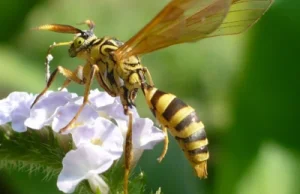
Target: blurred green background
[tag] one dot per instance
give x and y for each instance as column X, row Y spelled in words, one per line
column 245, row 88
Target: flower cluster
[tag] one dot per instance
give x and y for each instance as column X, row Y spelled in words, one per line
column 98, row 133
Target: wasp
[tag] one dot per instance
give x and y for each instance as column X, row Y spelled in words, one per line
column 117, row 68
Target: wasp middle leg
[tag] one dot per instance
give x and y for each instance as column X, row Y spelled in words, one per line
column 79, row 72
column 88, row 83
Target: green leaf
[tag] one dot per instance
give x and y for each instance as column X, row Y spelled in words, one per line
column 34, row 150
column 39, row 151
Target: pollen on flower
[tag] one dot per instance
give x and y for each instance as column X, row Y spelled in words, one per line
column 76, row 124
column 97, row 141
column 104, row 115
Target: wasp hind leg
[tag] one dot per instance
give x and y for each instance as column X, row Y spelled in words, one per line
column 166, row 143
column 66, row 73
column 128, row 149
column 148, row 76
column 164, row 129
column 127, row 98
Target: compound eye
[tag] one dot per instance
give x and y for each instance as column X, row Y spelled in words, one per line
column 78, row 42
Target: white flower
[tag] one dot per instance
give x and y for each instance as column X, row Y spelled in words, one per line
column 98, row 184
column 5, row 111
column 86, row 162
column 15, row 108
column 103, row 133
column 144, row 135
column 99, row 99
column 98, row 133
column 115, row 111
column 42, row 112
column 64, row 114
column 20, row 114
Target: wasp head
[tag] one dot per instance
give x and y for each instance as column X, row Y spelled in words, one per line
column 82, row 40
column 82, row 43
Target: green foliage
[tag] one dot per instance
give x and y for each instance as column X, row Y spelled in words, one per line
column 33, row 151
column 115, row 175
column 42, row 151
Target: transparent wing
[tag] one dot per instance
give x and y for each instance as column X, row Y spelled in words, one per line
column 191, row 20
column 241, row 16
column 180, row 21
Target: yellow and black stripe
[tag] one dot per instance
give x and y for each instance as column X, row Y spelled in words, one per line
column 183, row 123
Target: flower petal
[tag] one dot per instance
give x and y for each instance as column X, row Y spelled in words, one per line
column 5, row 111
column 116, row 110
column 41, row 113
column 82, row 163
column 97, row 183
column 145, row 135
column 103, row 133
column 19, row 115
column 64, row 114
column 111, row 137
column 17, row 97
column 10, row 103
column 100, row 99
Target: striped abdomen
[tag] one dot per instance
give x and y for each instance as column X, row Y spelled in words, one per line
column 183, row 124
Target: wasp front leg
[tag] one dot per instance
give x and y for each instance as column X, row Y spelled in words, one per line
column 66, row 73
column 49, row 57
